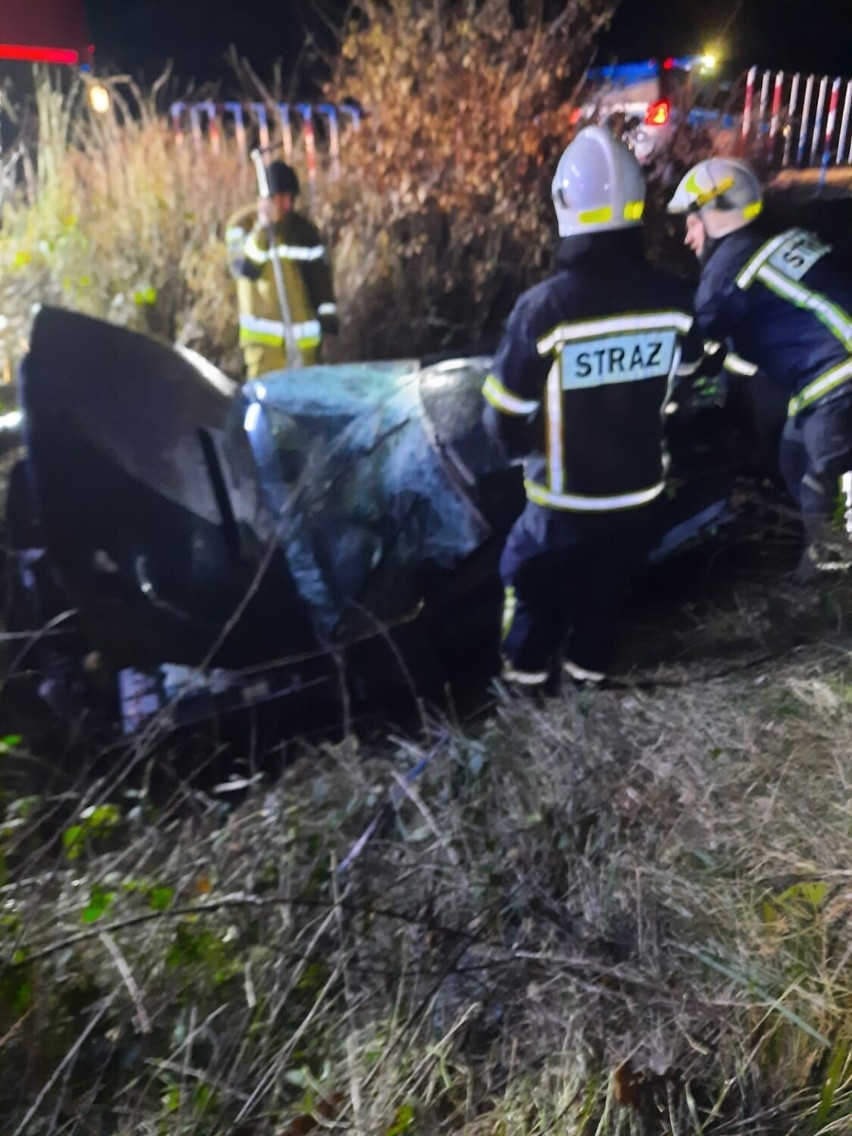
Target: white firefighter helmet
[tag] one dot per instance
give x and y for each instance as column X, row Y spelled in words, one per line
column 725, row 193
column 598, row 185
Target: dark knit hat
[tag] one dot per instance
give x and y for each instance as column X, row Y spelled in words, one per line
column 282, row 178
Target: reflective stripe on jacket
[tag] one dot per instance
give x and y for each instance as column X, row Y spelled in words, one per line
column 589, row 358
column 785, row 303
column 255, row 329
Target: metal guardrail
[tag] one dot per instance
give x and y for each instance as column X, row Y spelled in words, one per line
column 795, row 118
column 304, row 128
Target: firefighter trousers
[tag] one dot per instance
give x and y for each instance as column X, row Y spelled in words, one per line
column 565, row 577
column 261, row 358
column 815, row 452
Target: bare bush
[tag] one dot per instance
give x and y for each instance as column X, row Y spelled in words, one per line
column 443, row 214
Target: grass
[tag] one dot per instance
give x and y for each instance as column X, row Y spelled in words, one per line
column 626, row 912
column 622, row 914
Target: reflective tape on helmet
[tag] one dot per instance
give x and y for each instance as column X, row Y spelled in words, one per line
column 825, row 384
column 502, row 399
column 633, row 211
column 703, row 196
column 574, row 502
column 595, row 216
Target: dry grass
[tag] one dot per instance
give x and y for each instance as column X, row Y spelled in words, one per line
column 627, row 912
column 115, row 220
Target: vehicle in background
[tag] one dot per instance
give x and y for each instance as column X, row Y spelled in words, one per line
column 50, row 32
column 647, row 101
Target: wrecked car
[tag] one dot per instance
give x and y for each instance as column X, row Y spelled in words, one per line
column 179, row 545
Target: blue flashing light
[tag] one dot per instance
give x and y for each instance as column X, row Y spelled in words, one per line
column 626, row 72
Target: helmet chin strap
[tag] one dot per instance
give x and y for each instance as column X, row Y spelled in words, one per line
column 708, row 248
column 711, row 242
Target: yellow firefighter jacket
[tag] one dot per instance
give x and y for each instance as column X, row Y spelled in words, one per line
column 307, row 281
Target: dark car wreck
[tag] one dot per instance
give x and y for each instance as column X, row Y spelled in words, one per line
column 179, row 545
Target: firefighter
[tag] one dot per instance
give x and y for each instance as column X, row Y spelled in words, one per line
column 305, row 270
column 783, row 300
column 587, row 365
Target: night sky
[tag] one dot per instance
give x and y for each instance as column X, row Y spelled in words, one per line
column 139, row 35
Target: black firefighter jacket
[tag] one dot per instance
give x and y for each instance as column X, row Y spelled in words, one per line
column 785, row 302
column 588, row 361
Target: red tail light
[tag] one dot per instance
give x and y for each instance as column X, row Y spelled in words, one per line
column 657, row 113
column 38, row 54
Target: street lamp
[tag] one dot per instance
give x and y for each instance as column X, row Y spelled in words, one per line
column 99, row 98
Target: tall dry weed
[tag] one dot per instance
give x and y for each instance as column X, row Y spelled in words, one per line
column 116, row 219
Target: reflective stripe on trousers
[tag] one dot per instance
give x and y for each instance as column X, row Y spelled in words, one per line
column 574, row 503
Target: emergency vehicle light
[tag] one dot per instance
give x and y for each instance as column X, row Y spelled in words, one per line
column 32, row 54
column 657, row 113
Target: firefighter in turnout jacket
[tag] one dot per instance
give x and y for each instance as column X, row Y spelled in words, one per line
column 783, row 301
column 587, row 364
column 305, row 270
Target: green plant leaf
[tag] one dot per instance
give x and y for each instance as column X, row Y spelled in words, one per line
column 101, row 816
column 402, row 1121
column 832, row 1081
column 74, row 841
column 769, row 1001
column 99, row 902
column 159, row 898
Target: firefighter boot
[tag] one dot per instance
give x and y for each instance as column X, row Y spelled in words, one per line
column 827, row 550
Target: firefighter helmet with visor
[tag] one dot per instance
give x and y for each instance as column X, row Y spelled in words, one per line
column 725, row 192
column 598, row 185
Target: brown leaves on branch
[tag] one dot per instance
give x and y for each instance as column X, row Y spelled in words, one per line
column 467, row 108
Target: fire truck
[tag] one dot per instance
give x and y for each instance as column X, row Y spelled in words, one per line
column 51, row 31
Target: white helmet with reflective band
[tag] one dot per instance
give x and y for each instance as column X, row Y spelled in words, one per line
column 725, row 192
column 598, row 185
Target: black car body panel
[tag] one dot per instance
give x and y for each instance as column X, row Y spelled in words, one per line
column 206, row 534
